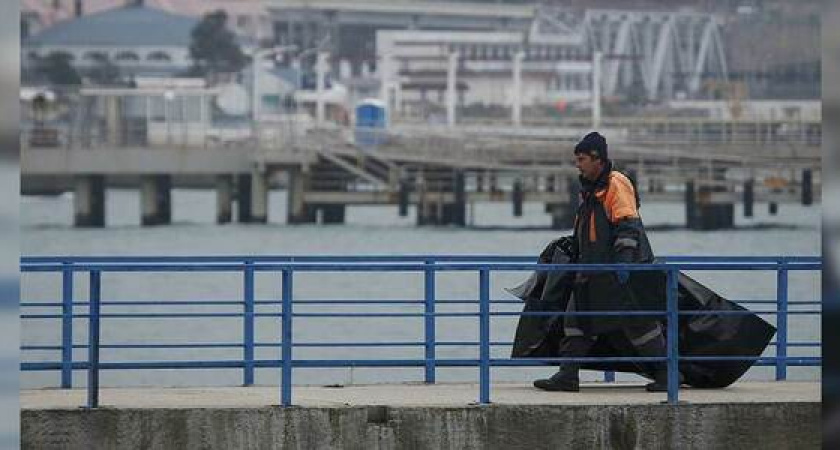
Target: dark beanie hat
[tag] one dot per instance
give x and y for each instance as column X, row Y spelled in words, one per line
column 593, row 143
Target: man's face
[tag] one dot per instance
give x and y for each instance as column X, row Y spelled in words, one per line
column 589, row 166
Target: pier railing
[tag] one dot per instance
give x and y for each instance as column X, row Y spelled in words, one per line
column 94, row 310
column 287, row 132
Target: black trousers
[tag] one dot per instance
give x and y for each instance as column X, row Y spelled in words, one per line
column 646, row 337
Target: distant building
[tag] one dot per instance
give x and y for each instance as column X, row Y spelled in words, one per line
column 248, row 18
column 655, row 54
column 645, row 56
column 140, row 40
column 485, row 64
column 348, row 28
column 707, row 42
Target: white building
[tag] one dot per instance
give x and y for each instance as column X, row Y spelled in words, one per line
column 415, row 63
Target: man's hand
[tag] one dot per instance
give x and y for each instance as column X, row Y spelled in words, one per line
column 623, row 276
column 565, row 244
column 624, row 256
column 548, row 252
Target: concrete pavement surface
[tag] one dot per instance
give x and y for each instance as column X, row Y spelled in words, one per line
column 442, row 394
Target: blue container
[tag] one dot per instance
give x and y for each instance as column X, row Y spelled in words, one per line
column 370, row 123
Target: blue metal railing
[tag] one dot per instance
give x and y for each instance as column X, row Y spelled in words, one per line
column 428, row 265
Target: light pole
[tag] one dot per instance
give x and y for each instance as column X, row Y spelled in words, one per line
column 320, row 85
column 516, row 91
column 321, row 68
column 168, row 97
column 451, row 88
column 596, row 89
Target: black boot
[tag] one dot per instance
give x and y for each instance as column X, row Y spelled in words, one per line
column 653, row 345
column 566, row 379
column 660, row 381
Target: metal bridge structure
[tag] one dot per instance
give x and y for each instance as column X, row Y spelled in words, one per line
column 665, row 52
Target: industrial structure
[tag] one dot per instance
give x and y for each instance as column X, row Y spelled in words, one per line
column 664, row 53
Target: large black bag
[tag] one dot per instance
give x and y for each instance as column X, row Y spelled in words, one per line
column 699, row 335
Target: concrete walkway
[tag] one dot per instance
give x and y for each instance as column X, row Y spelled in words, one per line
column 443, row 394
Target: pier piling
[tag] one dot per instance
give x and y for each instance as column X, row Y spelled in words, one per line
column 298, row 211
column 224, row 198
column 807, row 187
column 259, row 197
column 156, row 200
column 749, row 197
column 518, row 197
column 243, row 198
column 89, row 201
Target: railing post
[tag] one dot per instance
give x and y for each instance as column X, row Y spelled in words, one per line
column 286, row 381
column 429, row 323
column 484, row 336
column 781, row 321
column 673, row 331
column 67, row 327
column 93, row 341
column 248, row 325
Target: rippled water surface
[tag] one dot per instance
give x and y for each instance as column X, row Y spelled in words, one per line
column 47, row 230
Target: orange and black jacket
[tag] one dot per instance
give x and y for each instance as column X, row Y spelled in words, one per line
column 608, row 228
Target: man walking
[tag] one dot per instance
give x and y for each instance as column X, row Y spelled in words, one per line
column 608, row 230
